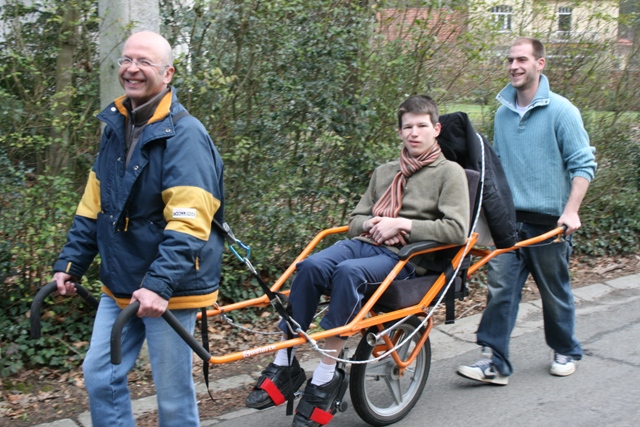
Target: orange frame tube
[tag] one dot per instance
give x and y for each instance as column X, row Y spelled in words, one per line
column 360, row 322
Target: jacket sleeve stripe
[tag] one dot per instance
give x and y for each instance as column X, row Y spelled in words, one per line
column 190, row 210
column 89, row 205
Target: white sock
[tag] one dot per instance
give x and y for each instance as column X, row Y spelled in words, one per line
column 282, row 358
column 323, row 374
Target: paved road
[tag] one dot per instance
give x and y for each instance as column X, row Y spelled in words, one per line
column 604, row 391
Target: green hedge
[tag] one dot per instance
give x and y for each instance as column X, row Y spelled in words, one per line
column 300, row 98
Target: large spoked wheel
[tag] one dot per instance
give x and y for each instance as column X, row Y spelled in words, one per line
column 379, row 393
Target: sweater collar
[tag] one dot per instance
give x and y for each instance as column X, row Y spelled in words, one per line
column 162, row 104
column 507, row 96
column 141, row 115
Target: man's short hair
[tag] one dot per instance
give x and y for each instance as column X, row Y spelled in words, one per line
column 419, row 104
column 538, row 47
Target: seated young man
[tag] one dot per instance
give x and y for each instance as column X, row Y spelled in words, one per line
column 421, row 196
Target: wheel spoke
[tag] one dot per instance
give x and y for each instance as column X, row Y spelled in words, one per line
column 394, row 387
column 403, row 351
column 380, row 394
column 379, row 369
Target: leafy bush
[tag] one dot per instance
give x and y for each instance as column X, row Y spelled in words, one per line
column 299, row 97
column 611, row 220
column 66, row 329
column 35, row 212
column 611, row 226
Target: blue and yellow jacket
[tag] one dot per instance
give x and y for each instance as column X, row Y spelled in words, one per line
column 151, row 221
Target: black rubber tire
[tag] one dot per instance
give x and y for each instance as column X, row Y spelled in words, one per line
column 378, row 395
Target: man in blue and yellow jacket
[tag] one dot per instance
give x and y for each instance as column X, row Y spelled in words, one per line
column 147, row 210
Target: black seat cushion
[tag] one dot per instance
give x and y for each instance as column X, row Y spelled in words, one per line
column 406, row 293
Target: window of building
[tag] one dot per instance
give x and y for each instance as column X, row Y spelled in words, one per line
column 501, row 17
column 425, row 3
column 564, row 19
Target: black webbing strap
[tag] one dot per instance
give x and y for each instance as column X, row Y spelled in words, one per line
column 204, row 331
column 275, row 298
column 178, row 116
column 291, row 395
column 449, row 299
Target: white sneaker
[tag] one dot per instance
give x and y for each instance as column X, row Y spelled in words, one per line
column 562, row 365
column 483, row 370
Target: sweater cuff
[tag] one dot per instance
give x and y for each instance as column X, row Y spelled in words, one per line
column 356, row 226
column 585, row 175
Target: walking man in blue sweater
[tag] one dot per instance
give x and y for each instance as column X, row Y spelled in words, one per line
column 545, row 152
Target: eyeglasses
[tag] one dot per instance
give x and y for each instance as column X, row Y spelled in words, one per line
column 141, row 63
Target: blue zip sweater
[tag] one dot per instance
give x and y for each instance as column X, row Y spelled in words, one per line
column 150, row 220
column 542, row 151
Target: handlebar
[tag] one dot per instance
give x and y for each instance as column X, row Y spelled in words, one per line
column 129, row 312
column 47, row 289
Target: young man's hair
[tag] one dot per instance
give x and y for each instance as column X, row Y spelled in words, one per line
column 419, row 104
column 538, row 47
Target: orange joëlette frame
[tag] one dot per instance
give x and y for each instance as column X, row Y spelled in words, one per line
column 360, row 321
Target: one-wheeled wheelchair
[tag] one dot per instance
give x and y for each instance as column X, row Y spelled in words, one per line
column 391, row 364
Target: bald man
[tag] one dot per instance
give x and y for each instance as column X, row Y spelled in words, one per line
column 147, row 210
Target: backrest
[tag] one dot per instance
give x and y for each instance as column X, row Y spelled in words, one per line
column 473, row 180
column 461, row 143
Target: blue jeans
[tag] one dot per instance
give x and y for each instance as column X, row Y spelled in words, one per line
column 171, row 364
column 341, row 271
column 548, row 263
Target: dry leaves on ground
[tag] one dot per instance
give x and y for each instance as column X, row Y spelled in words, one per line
column 37, row 396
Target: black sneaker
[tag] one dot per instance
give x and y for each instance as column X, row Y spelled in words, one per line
column 315, row 406
column 275, row 384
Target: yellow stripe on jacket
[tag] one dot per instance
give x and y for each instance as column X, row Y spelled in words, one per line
column 89, row 205
column 175, row 303
column 189, row 210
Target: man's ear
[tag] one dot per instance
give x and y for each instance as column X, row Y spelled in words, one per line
column 437, row 128
column 541, row 63
column 168, row 75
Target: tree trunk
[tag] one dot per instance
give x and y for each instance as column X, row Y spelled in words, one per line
column 58, row 152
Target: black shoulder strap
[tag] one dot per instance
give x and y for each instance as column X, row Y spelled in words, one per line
column 178, row 116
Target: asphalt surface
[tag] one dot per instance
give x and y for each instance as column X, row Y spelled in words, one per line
column 604, row 391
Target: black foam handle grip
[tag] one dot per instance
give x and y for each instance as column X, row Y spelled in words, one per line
column 129, row 312
column 45, row 291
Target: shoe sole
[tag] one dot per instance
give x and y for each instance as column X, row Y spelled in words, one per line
column 473, row 375
column 268, row 403
column 563, row 373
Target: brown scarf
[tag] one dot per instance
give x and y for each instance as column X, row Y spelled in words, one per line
column 390, row 203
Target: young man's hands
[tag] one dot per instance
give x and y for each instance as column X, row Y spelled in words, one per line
column 388, row 231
